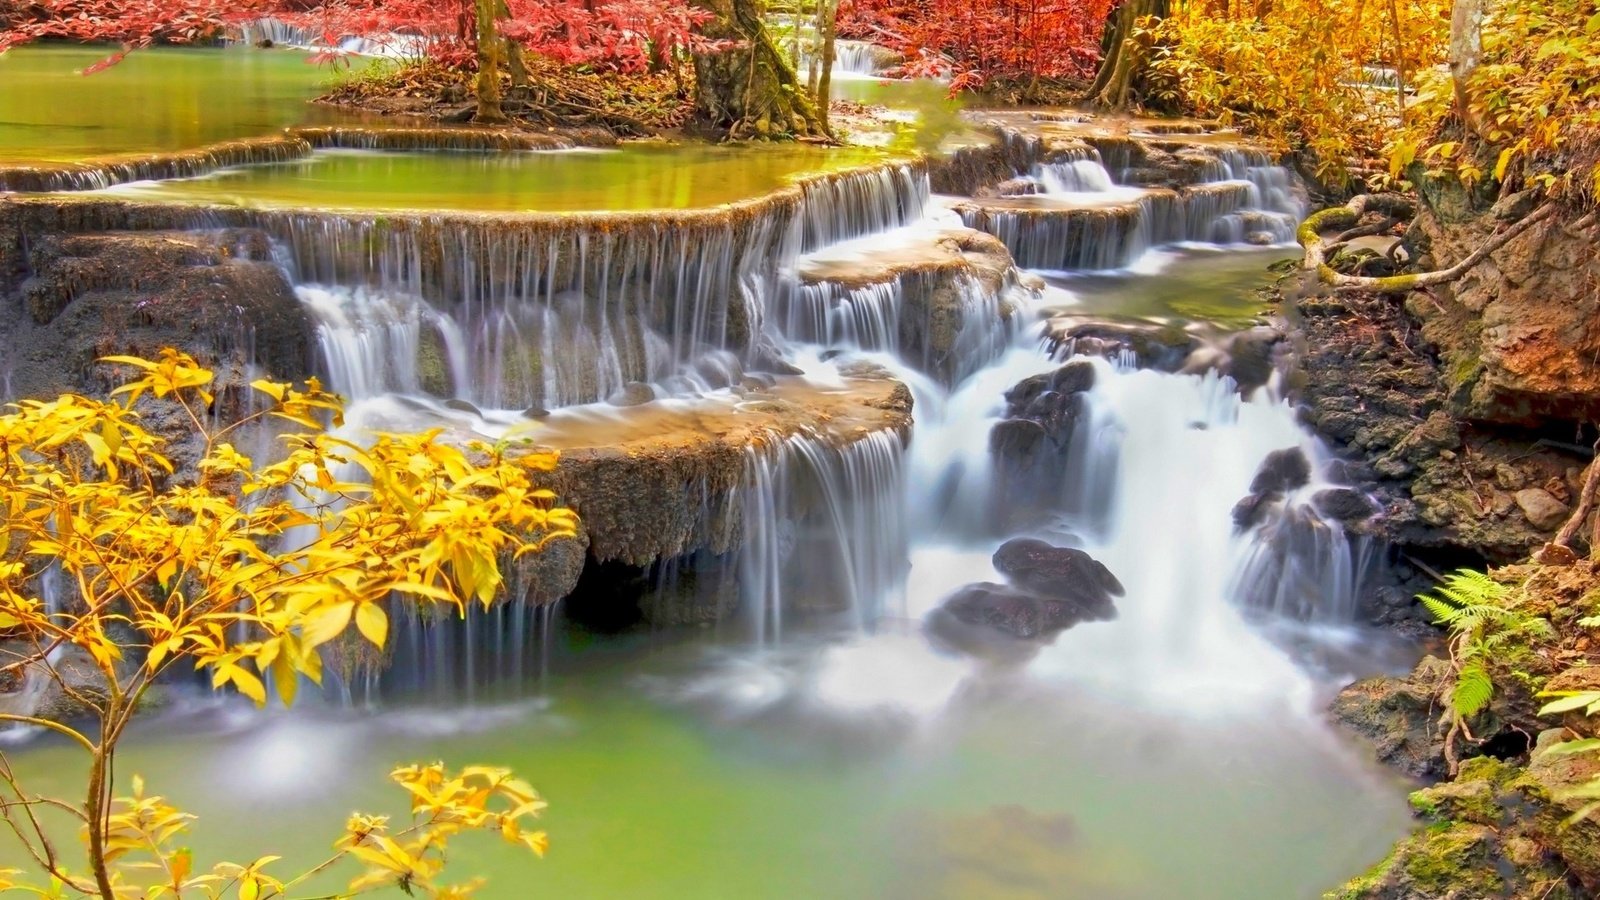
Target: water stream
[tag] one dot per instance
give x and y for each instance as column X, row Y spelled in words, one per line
column 821, row 742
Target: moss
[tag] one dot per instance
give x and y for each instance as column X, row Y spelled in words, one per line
column 1454, row 858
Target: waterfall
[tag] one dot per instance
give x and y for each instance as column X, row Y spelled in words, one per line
column 558, row 313
column 824, row 530
column 1085, row 220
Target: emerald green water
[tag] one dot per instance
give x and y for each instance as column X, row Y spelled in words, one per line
column 681, row 770
column 1189, row 285
column 159, row 99
column 635, row 177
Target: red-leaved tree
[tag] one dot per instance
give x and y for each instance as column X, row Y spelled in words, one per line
column 981, row 42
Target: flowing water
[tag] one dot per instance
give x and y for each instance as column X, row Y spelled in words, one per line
column 820, row 742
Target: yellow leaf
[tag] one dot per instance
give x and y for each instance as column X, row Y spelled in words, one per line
column 373, row 623
column 249, row 685
column 325, row 624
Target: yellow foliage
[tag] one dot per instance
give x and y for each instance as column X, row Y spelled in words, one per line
column 1299, row 73
column 1535, row 97
column 245, row 572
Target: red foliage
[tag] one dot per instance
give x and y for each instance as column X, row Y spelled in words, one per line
column 611, row 35
column 979, row 41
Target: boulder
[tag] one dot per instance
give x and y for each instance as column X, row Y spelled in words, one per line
column 1282, row 471
column 1343, row 504
column 1016, row 612
column 1400, row 717
column 1060, row 572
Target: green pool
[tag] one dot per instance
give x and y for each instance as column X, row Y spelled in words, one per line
column 155, row 100
column 635, row 177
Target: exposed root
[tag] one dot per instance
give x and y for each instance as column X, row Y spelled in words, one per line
column 1347, row 217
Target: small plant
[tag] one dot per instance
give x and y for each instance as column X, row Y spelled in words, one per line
column 1475, row 609
column 1571, row 701
column 1482, row 616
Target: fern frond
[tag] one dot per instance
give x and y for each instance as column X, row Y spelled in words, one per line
column 1473, row 690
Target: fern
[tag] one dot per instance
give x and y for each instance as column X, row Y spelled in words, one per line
column 1481, row 615
column 1473, row 691
column 1467, row 600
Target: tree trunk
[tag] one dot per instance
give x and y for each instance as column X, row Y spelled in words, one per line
column 1466, row 50
column 830, row 27
column 1125, row 59
column 489, row 50
column 750, row 91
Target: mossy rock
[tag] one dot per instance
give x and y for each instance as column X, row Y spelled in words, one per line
column 1449, row 861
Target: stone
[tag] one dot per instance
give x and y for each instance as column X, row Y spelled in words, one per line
column 1253, row 509
column 1018, row 187
column 1064, row 572
column 1346, row 505
column 462, row 406
column 1543, row 510
column 634, row 393
column 1015, row 612
column 1283, row 471
column 1399, row 716
column 1072, row 378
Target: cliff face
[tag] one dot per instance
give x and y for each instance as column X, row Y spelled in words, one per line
column 1519, row 335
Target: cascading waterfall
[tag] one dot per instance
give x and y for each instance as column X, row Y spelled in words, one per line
column 552, row 316
column 1085, row 220
column 824, row 529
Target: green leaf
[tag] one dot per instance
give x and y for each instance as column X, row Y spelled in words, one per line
column 1569, row 702
column 1474, row 689
column 1569, row 748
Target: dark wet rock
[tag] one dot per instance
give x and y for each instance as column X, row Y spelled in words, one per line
column 1018, row 613
column 1253, row 509
column 1282, row 471
column 1165, row 348
column 1346, row 505
column 1072, row 378
column 1017, row 440
column 536, row 412
column 462, row 406
column 1064, row 572
column 1261, row 238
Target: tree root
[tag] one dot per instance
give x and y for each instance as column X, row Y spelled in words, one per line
column 1347, row 217
column 1552, row 553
